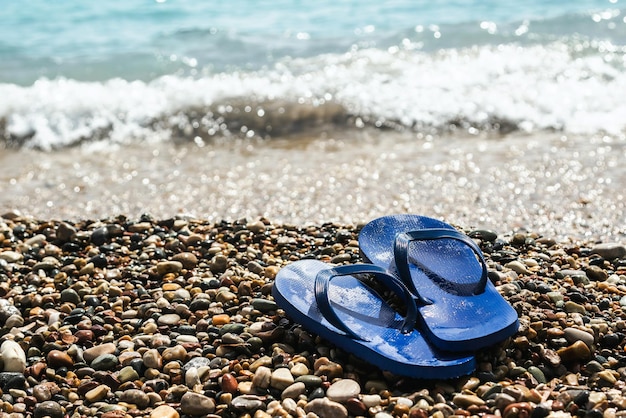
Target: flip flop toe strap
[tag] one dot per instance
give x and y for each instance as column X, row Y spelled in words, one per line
column 401, row 257
column 322, row 285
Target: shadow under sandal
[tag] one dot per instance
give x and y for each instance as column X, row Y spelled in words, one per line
column 459, row 308
column 336, row 304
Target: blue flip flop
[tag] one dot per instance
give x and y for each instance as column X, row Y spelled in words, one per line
column 337, row 305
column 459, row 308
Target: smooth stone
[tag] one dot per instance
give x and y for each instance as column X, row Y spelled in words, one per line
column 555, row 297
column 10, row 380
column 290, row 406
column 11, row 256
column 65, row 232
column 573, row 334
column 136, row 397
column 299, row 369
column 127, row 374
column 104, row 362
column 97, row 394
column 262, row 377
column 310, row 381
column 247, row 403
column 14, row 321
column 43, row 392
column 225, row 296
column 371, row 400
column 294, row 390
column 465, row 400
column 165, row 267
column 90, row 354
column 193, row 403
column 196, row 362
column 13, row 357
column 484, row 235
column 168, row 319
column 342, row 390
column 152, row 359
column 50, row 409
column 517, row 267
column 281, row 378
column 192, row 377
column 324, row 407
column 596, row 273
column 264, row 305
column 70, row 295
column 577, row 351
column 609, row 251
column 164, row 411
column 218, row 264
column 356, row 407
column 177, row 352
column 188, row 260
column 607, row 376
column 58, row 358
column 229, row 383
column 537, row 374
column 573, row 307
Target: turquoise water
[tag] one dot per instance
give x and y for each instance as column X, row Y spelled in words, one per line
column 75, row 71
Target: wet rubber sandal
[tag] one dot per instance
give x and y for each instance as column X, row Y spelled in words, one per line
column 338, row 305
column 459, row 308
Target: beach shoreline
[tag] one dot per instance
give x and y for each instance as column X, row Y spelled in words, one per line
column 568, row 187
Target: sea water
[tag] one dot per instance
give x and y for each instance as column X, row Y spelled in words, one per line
column 76, row 72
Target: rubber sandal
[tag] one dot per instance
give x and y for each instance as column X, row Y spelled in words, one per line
column 459, row 308
column 337, row 305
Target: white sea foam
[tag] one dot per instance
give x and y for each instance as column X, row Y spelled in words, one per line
column 530, row 88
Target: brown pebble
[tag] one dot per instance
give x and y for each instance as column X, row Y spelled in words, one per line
column 58, row 358
column 577, row 351
column 91, row 353
column 164, row 411
column 229, row 383
column 188, row 260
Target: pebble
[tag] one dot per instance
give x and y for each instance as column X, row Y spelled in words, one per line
column 262, row 377
column 13, row 357
column 136, row 397
column 609, row 251
column 165, row 267
column 90, row 354
column 573, row 334
column 281, row 378
column 342, row 390
column 324, row 407
column 49, row 409
column 294, row 390
column 58, row 358
column 247, row 403
column 196, row 404
column 104, row 362
column 164, row 411
column 577, row 351
column 97, row 394
column 186, row 259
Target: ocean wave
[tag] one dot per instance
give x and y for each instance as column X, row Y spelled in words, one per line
column 569, row 86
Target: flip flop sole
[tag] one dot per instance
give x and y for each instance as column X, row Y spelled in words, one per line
column 455, row 320
column 382, row 343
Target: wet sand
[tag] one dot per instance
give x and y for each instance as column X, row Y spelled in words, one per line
column 564, row 187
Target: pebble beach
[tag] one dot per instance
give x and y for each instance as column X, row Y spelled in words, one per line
column 164, row 309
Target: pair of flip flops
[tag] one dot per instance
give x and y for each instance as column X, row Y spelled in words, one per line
column 439, row 273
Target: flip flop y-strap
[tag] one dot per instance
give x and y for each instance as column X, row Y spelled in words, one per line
column 401, row 258
column 322, row 284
